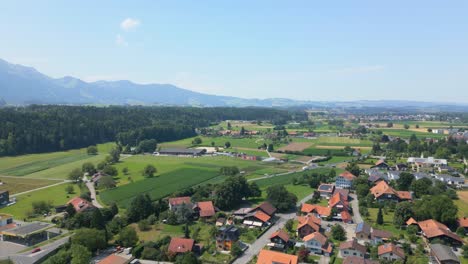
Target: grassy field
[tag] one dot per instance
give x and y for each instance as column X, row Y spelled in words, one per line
column 250, row 126
column 20, row 184
column 462, row 203
column 248, row 142
column 56, row 195
column 388, row 221
column 287, row 179
column 54, row 165
column 407, row 133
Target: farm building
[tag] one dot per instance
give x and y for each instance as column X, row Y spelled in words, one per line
column 181, row 152
column 4, row 198
column 431, row 229
column 443, row 254
column 80, row 204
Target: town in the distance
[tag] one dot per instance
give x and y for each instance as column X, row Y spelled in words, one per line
column 163, row 184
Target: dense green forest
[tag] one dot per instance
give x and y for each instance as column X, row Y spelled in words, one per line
column 37, row 129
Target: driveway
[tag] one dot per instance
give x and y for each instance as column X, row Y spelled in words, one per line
column 355, row 206
column 259, row 244
column 28, row 258
column 92, row 192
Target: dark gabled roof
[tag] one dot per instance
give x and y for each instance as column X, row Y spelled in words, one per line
column 358, row 260
column 363, row 227
column 267, row 208
column 376, row 233
column 353, row 244
column 281, row 234
column 443, row 253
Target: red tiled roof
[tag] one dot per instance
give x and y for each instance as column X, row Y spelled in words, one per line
column 337, row 198
column 281, row 234
column 206, row 209
column 404, row 195
column 382, row 188
column 346, row 216
column 348, row 175
column 179, row 200
column 431, row 228
column 113, row 259
column 273, row 257
column 463, row 222
column 80, row 204
column 391, row 248
column 181, row 245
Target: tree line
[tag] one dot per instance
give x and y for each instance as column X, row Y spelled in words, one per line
column 45, row 128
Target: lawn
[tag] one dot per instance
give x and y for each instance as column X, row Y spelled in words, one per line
column 55, row 165
column 56, row 195
column 20, row 184
column 462, row 203
column 388, row 221
column 158, row 231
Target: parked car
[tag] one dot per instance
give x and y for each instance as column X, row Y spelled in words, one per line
column 36, row 250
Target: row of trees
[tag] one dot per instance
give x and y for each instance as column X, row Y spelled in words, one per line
column 36, row 129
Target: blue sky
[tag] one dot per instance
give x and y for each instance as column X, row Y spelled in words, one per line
column 314, row 50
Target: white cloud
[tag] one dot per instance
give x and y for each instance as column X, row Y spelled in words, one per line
column 120, row 41
column 129, row 24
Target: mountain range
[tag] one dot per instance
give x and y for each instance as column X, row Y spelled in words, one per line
column 22, row 85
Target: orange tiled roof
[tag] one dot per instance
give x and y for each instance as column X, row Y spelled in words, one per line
column 391, row 248
column 321, row 210
column 309, row 220
column 273, row 257
column 260, row 215
column 337, row 198
column 431, row 228
column 113, row 259
column 463, row 222
column 348, row 175
column 281, row 234
column 382, row 188
column 404, row 195
column 346, row 216
column 317, row 236
column 206, row 209
column 181, row 245
column 411, row 221
column 379, row 162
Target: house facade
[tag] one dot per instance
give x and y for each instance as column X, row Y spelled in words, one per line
column 318, row 244
column 390, row 252
column 344, row 180
column 352, row 248
column 226, row 237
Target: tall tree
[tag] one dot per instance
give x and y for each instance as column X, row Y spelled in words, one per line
column 380, row 220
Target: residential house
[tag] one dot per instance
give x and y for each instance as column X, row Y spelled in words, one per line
column 177, row 202
column 226, row 237
column 446, row 169
column 114, row 259
column 345, row 180
column 318, row 244
column 352, row 248
column 463, row 222
column 279, row 239
column 316, row 210
column 4, row 198
column 379, row 236
column 450, row 180
column 384, row 192
column 274, row 257
column 80, row 204
column 339, row 202
column 420, row 163
column 266, row 207
column 391, row 252
column 393, row 175
column 181, row 245
column 401, row 167
column 204, row 209
column 375, row 176
column 411, row 221
column 308, row 225
column 97, row 177
column 345, row 217
column 363, row 231
column 381, row 164
column 326, row 190
column 442, row 254
column 432, row 229
column 358, row 260
column 342, row 192
column 257, row 219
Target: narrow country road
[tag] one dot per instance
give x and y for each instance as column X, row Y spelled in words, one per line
column 40, row 188
column 355, row 206
column 258, row 245
column 92, row 192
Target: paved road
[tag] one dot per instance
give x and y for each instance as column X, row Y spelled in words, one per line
column 92, row 192
column 28, row 258
column 258, row 245
column 355, row 206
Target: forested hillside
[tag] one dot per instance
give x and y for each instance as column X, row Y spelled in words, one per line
column 36, row 129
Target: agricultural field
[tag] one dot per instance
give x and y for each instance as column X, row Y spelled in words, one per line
column 406, row 133
column 55, row 194
column 248, row 142
column 21, row 184
column 250, row 126
column 176, row 173
column 296, row 146
column 55, row 165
